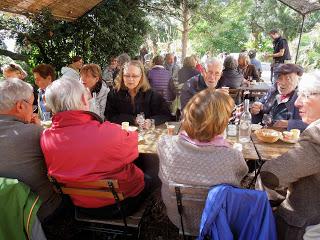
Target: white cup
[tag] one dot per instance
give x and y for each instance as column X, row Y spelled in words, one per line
column 170, row 129
column 125, row 125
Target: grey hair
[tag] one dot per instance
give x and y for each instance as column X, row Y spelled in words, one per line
column 123, row 58
column 310, row 82
column 65, row 94
column 230, row 63
column 215, row 61
column 13, row 90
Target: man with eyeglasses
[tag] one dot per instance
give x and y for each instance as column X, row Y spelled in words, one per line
column 208, row 79
column 21, row 156
column 279, row 101
column 298, row 171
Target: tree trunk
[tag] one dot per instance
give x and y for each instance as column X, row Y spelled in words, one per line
column 185, row 30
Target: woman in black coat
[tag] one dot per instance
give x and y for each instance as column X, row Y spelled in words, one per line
column 132, row 95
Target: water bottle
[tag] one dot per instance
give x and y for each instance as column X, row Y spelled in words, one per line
column 245, row 124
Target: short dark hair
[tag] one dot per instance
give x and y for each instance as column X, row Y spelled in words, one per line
column 273, row 31
column 157, row 60
column 45, row 70
column 76, row 59
column 252, row 54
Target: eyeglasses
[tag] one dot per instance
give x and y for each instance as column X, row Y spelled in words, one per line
column 34, row 107
column 133, row 76
column 27, row 101
column 306, row 95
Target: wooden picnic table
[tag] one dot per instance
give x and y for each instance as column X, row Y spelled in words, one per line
column 258, row 87
column 149, row 143
column 268, row 151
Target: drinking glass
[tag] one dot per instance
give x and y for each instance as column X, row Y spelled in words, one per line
column 266, row 120
column 152, row 125
column 140, row 120
column 46, row 116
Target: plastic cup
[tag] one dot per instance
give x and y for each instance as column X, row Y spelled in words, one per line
column 125, row 125
column 295, row 133
column 170, row 129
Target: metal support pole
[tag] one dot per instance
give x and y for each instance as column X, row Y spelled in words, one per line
column 301, row 29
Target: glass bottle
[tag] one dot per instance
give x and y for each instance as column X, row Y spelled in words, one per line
column 245, row 124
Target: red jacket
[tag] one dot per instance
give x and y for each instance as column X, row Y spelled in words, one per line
column 80, row 148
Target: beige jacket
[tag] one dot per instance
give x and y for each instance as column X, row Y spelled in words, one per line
column 299, row 171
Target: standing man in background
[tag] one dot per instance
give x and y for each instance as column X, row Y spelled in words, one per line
column 171, row 66
column 280, row 51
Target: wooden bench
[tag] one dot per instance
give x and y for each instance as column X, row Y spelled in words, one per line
column 128, row 226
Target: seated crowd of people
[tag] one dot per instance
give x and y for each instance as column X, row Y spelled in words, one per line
column 86, row 141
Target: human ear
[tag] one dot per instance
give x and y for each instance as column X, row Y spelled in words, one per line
column 85, row 102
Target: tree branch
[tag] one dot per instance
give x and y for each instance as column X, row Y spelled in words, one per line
column 14, row 56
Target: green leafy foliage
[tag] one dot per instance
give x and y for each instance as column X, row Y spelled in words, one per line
column 222, row 27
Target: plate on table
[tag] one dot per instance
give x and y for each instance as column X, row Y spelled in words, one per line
column 288, row 140
column 255, row 127
column 46, row 124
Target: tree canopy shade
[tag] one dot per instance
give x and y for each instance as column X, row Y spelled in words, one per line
column 64, row 10
column 302, row 6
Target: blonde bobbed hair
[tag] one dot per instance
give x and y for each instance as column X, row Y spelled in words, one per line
column 207, row 114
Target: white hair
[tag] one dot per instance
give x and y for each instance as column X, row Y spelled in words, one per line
column 12, row 91
column 310, row 82
column 214, row 61
column 65, row 94
column 12, row 67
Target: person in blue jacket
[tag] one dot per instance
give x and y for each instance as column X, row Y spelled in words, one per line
column 279, row 101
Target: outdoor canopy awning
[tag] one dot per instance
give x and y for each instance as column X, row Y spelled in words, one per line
column 302, row 6
column 61, row 9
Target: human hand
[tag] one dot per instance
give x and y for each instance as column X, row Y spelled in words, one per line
column 245, row 82
column 256, row 107
column 35, row 119
column 281, row 124
column 224, row 90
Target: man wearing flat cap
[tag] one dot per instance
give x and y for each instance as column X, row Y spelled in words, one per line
column 279, row 101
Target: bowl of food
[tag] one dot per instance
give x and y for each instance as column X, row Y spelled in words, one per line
column 267, row 135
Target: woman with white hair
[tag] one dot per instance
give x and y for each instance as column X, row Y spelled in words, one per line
column 80, row 147
column 298, row 170
column 14, row 70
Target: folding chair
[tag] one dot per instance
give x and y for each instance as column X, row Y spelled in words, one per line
column 189, row 198
column 129, row 226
